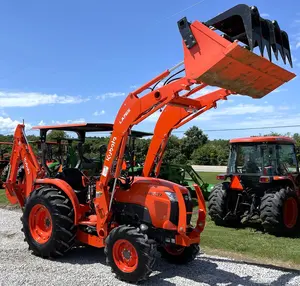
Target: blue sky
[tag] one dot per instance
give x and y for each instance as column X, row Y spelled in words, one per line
column 73, row 61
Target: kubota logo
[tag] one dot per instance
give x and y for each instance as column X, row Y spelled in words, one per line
column 26, row 166
column 111, row 149
column 124, row 116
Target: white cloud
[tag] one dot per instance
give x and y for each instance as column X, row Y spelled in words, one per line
column 110, row 95
column 28, row 99
column 2, row 112
column 204, row 91
column 69, row 121
column 244, row 109
column 279, row 90
column 240, row 109
column 41, row 123
column 283, row 107
column 153, row 117
column 8, row 125
column 134, row 86
column 298, row 45
column 277, row 120
column 98, row 113
column 265, row 15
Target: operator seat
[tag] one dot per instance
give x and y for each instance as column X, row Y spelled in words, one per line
column 73, row 177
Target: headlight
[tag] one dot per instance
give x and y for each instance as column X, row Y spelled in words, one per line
column 172, row 196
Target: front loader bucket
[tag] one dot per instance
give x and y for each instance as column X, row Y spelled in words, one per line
column 243, row 23
column 218, row 60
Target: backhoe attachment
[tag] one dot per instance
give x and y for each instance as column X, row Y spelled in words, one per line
column 219, row 60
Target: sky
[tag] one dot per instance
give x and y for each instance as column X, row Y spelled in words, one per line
column 76, row 61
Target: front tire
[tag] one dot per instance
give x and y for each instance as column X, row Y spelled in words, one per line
column 48, row 222
column 130, row 254
column 279, row 212
column 178, row 254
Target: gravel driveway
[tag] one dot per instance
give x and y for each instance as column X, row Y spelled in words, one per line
column 86, row 266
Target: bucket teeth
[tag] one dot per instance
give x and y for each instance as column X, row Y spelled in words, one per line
column 243, row 23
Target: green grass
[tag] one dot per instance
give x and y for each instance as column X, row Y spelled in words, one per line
column 209, row 177
column 248, row 243
column 3, row 199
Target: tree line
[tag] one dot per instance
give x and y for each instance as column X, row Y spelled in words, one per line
column 193, row 148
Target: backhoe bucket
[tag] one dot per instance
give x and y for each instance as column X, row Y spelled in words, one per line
column 243, row 23
column 220, row 60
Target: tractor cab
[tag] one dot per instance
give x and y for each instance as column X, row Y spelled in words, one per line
column 78, row 153
column 262, row 159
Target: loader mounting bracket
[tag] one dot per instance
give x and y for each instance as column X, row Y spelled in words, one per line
column 186, row 33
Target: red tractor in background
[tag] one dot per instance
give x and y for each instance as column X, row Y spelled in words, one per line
column 132, row 217
column 261, row 185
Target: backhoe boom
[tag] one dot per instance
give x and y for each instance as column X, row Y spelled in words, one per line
column 21, row 152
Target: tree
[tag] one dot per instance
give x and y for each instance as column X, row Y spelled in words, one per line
column 194, row 138
column 56, row 134
column 172, row 151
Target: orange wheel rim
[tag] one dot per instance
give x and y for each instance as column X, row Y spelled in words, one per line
column 125, row 256
column 40, row 223
column 174, row 250
column 290, row 212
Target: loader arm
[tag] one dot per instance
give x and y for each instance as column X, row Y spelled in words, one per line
column 21, row 152
column 172, row 118
column 209, row 59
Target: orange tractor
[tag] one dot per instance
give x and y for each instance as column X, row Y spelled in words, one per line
column 261, row 186
column 132, row 217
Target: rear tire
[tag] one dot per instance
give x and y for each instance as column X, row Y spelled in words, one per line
column 179, row 255
column 48, row 222
column 218, row 205
column 130, row 254
column 279, row 212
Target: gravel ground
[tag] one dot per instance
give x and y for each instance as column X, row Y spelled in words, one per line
column 86, row 266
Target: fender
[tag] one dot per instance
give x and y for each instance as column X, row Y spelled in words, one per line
column 67, row 189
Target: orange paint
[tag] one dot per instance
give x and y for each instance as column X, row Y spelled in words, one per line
column 260, row 139
column 235, row 184
column 66, row 188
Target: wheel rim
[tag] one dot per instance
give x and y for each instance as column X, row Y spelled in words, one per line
column 174, row 250
column 125, row 255
column 40, row 223
column 290, row 212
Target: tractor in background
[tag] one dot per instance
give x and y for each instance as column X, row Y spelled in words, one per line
column 261, row 186
column 183, row 175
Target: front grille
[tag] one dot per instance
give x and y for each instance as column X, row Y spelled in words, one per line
column 174, row 215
